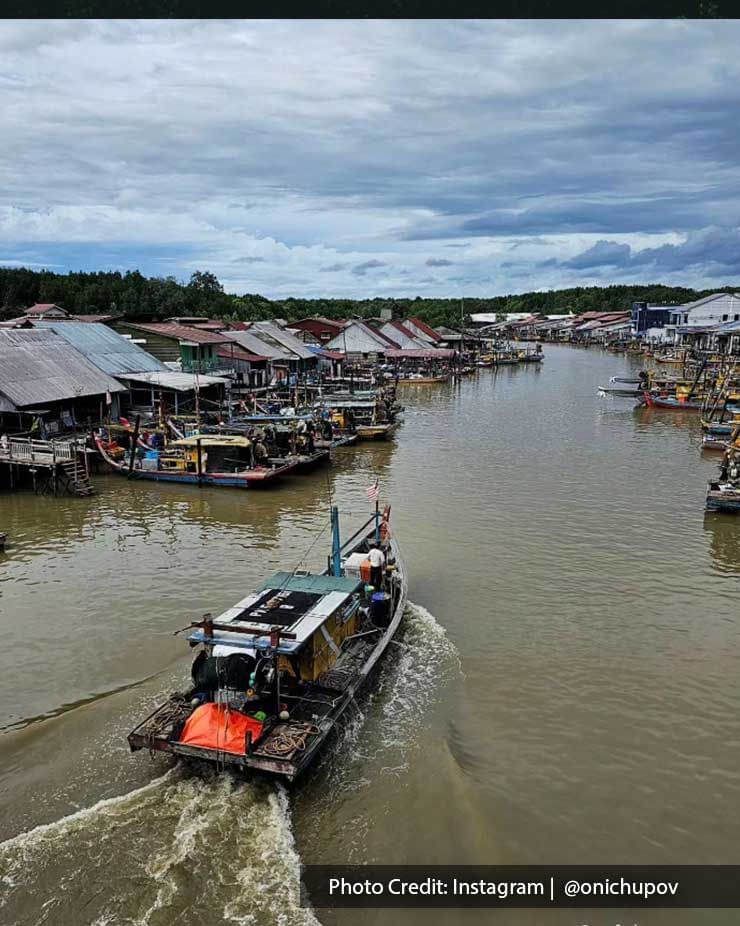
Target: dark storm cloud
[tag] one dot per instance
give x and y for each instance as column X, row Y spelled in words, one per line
column 361, row 269
column 602, row 254
column 714, row 248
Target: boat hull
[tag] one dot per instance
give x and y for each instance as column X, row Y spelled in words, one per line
column 717, row 500
column 376, row 431
column 244, row 480
column 653, row 401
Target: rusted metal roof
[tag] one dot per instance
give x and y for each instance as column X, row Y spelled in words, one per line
column 37, row 366
column 180, row 332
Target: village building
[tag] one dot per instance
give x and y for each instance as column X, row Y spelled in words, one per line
column 193, row 350
column 358, row 342
column 304, row 360
column 47, row 386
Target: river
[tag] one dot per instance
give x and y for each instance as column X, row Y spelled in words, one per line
column 566, row 688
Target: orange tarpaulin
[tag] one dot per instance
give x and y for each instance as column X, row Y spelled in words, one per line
column 214, row 726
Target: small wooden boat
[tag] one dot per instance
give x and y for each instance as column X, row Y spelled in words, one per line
column 278, row 670
column 421, row 380
column 723, row 496
column 620, row 391
column 381, row 431
column 673, row 402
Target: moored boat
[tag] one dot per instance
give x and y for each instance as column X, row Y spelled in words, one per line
column 679, row 402
column 419, row 379
column 205, row 460
column 276, row 672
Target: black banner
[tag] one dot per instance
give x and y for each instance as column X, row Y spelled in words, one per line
column 508, row 886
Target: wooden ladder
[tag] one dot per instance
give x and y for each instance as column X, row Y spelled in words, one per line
column 77, row 482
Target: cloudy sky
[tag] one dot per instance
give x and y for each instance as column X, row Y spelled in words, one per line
column 374, row 158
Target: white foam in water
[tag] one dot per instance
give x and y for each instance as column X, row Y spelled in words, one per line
column 33, row 838
column 427, row 660
column 177, row 848
column 419, row 661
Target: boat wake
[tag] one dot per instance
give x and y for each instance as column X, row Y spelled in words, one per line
column 184, row 848
column 385, row 727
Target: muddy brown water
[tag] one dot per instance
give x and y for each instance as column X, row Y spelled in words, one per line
column 565, row 689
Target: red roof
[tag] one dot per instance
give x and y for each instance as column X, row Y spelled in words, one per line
column 422, row 326
column 181, row 332
column 238, row 353
column 213, row 325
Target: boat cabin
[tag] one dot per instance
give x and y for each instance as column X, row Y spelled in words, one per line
column 315, row 613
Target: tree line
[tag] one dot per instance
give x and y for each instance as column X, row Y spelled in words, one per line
column 136, row 297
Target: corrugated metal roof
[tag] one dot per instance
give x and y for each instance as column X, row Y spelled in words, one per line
column 181, row 382
column 284, row 338
column 37, row 366
column 254, row 345
column 415, row 323
column 235, row 352
column 109, row 351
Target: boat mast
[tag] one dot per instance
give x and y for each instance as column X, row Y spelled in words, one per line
column 336, row 545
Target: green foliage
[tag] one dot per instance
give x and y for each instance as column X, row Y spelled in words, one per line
column 154, row 298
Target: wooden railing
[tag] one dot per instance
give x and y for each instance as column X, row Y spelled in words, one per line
column 27, row 452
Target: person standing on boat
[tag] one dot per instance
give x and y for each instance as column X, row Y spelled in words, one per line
column 377, row 562
column 261, row 457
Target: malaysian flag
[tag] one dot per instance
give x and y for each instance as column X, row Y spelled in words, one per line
column 373, row 492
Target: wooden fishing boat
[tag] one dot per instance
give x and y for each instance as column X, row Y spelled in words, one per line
column 277, row 671
column 421, row 380
column 366, row 419
column 673, row 402
column 624, row 390
column 713, row 441
column 723, row 497
column 206, row 460
column 381, row 431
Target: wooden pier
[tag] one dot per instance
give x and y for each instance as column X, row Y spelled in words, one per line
column 55, row 467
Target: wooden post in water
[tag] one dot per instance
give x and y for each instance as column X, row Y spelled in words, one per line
column 199, row 464
column 134, row 441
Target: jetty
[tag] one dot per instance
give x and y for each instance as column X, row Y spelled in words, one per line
column 55, row 467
